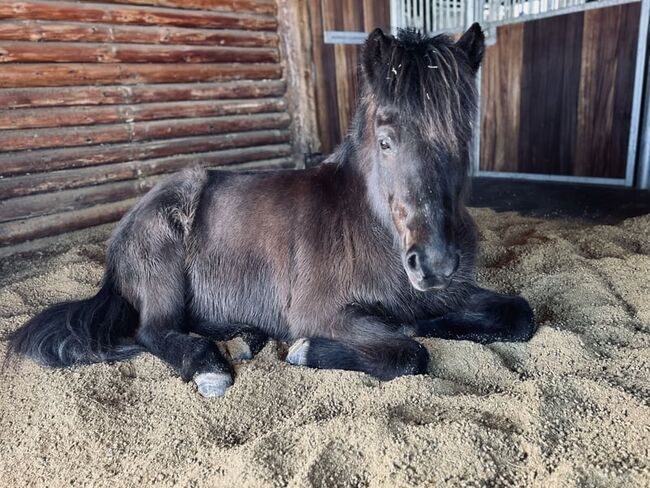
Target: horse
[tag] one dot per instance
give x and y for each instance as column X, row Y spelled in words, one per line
column 348, row 261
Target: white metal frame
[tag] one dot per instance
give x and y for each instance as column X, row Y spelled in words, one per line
column 493, row 13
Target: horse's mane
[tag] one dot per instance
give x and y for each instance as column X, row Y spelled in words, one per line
column 427, row 80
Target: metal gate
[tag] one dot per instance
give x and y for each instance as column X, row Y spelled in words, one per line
column 454, row 16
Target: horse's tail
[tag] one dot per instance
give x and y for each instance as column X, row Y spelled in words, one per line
column 97, row 329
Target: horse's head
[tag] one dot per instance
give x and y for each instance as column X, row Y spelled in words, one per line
column 414, row 122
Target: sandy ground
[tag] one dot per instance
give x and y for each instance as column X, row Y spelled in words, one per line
column 570, row 408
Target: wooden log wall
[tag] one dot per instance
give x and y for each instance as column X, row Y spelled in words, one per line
column 557, row 94
column 99, row 99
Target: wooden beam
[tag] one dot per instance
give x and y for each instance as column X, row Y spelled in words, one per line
column 53, row 74
column 67, row 116
column 16, row 140
column 251, row 6
column 28, row 229
column 21, row 186
column 41, row 31
column 78, row 157
column 67, row 52
column 108, row 95
column 119, row 14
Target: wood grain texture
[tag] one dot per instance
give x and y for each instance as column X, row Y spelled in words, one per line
column 48, row 31
column 501, row 88
column 27, row 229
column 337, row 66
column 54, row 74
column 75, row 178
column 239, row 6
column 77, row 157
column 122, row 14
column 92, row 115
column 606, row 86
column 102, row 98
column 566, row 110
column 109, row 95
column 550, row 90
column 65, row 52
column 18, row 140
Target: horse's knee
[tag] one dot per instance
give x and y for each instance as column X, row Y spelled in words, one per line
column 415, row 359
column 509, row 315
column 519, row 315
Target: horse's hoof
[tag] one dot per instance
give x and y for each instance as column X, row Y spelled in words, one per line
column 297, row 354
column 239, row 349
column 213, row 384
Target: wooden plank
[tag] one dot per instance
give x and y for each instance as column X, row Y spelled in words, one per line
column 17, row 140
column 52, row 74
column 251, row 6
column 67, row 116
column 119, row 14
column 77, row 157
column 21, row 186
column 64, row 201
column 107, row 95
column 500, row 100
column 549, row 97
column 41, row 31
column 25, row 230
column 606, row 85
column 67, row 52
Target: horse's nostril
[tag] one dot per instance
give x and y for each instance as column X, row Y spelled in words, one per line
column 412, row 261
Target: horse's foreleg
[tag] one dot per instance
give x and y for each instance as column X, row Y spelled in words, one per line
column 367, row 345
column 486, row 317
column 247, row 344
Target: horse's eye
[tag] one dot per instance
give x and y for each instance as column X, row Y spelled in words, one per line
column 384, row 144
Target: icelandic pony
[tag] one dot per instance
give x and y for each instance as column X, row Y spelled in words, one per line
column 349, row 259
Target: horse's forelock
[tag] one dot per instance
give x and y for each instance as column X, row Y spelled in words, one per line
column 421, row 78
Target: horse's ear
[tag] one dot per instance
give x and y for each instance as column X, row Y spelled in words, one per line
column 472, row 43
column 375, row 53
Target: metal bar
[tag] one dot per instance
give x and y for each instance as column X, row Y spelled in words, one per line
column 587, row 180
column 637, row 96
column 552, row 13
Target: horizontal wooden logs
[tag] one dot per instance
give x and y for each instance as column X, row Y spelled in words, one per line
column 107, row 95
column 119, row 14
column 39, row 31
column 65, row 52
column 54, row 74
column 14, row 140
column 77, row 157
column 19, row 231
column 28, row 229
column 253, row 6
column 141, row 177
column 22, row 186
column 68, row 116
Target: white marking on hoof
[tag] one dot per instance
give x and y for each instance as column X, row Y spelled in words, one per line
column 238, row 349
column 213, row 384
column 297, row 354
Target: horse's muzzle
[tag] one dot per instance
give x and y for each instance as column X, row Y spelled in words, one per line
column 430, row 272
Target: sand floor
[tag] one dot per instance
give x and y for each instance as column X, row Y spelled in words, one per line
column 570, row 408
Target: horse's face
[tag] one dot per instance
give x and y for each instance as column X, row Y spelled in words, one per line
column 420, row 99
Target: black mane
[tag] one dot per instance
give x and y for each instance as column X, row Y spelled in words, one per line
column 428, row 80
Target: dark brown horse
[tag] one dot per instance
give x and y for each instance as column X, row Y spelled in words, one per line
column 349, row 259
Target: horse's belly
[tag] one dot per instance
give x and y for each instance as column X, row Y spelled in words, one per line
column 237, row 290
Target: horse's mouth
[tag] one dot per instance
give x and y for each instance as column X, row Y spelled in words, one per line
column 430, row 283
